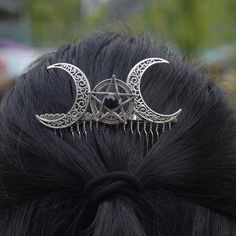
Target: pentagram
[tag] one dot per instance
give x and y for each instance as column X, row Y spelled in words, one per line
column 115, row 104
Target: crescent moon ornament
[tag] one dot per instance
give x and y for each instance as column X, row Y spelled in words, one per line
column 112, row 102
column 81, row 102
column 141, row 108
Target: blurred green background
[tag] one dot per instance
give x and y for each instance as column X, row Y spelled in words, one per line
column 200, row 30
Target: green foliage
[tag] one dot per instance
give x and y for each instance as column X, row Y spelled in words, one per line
column 52, row 20
column 57, row 21
column 193, row 25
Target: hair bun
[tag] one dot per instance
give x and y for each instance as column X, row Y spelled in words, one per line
column 111, row 183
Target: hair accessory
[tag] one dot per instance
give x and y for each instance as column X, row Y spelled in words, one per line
column 111, row 183
column 111, row 102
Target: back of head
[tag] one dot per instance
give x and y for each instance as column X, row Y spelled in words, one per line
column 187, row 177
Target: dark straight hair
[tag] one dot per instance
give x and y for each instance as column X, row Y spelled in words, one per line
column 188, row 176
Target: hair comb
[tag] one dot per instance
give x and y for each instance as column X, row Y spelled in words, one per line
column 111, row 102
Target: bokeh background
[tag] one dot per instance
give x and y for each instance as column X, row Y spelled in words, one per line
column 203, row 31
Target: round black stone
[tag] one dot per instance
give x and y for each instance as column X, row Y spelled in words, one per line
column 111, row 101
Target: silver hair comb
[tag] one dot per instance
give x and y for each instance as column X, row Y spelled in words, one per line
column 111, row 102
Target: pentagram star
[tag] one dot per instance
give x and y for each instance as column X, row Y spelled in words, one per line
column 116, row 108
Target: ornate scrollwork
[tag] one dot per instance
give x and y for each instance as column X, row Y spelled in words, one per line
column 141, row 108
column 119, row 102
column 81, row 99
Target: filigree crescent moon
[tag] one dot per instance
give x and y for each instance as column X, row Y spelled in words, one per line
column 80, row 105
column 134, row 81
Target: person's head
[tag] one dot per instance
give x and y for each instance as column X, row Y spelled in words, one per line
column 185, row 185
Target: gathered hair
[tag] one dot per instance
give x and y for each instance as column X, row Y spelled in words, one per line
column 186, row 181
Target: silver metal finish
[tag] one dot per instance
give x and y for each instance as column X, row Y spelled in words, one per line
column 131, row 127
column 78, row 129
column 112, row 87
column 138, row 130
column 91, row 126
column 72, row 132
column 129, row 105
column 151, row 132
column 163, row 127
column 134, row 81
column 124, row 127
column 146, row 134
column 85, row 131
column 157, row 132
column 58, row 121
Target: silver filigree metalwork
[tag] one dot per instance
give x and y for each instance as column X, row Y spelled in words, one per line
column 125, row 106
column 112, row 102
column 141, row 108
column 80, row 106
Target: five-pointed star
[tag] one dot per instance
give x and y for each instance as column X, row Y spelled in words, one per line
column 104, row 111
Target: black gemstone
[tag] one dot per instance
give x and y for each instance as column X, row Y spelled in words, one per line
column 111, row 101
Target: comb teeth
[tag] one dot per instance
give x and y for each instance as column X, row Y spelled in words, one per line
column 72, row 132
column 131, row 127
column 78, row 129
column 111, row 101
column 157, row 131
column 85, row 132
column 147, row 132
column 91, row 126
column 151, row 134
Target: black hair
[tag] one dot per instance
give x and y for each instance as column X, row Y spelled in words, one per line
column 187, row 178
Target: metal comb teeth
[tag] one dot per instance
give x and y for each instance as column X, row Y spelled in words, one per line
column 147, row 133
column 111, row 101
